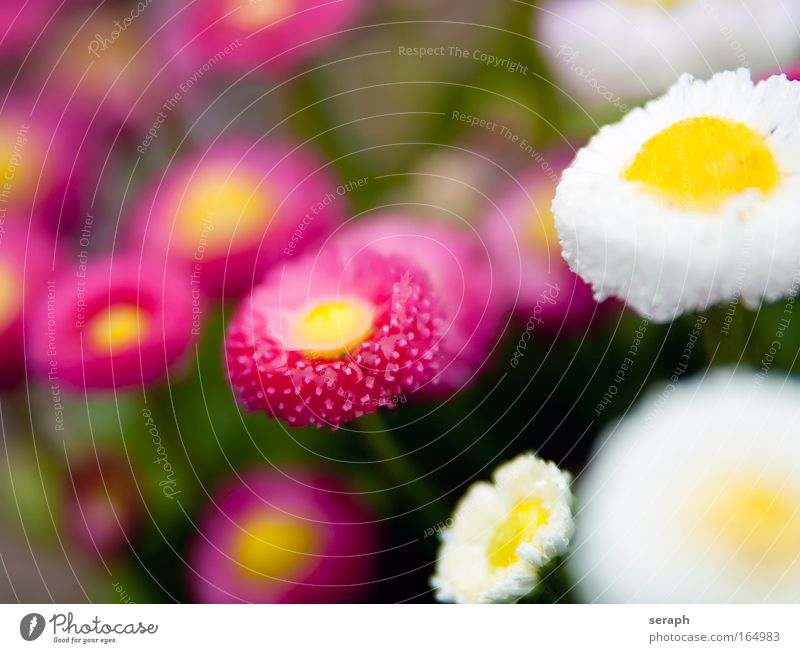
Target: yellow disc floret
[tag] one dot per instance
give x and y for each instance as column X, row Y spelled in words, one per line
column 700, row 163
column 333, row 329
column 119, row 327
column 758, row 521
column 520, row 526
column 259, row 13
column 9, row 295
column 273, row 546
column 222, row 210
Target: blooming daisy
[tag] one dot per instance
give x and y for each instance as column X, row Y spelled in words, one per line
column 231, row 212
column 689, row 201
column 241, row 35
column 462, row 276
column 523, row 243
column 102, row 509
column 662, row 39
column 503, row 533
column 278, row 538
column 111, row 324
column 327, row 339
column 695, row 496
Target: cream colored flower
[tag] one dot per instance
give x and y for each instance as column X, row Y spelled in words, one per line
column 504, row 532
column 695, row 497
column 690, row 201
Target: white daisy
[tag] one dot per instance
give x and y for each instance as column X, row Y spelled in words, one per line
column 695, row 497
column 621, row 50
column 502, row 533
column 690, row 200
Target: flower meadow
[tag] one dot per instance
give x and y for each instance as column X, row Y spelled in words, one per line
column 349, row 302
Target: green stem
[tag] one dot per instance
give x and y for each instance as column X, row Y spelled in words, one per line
column 380, row 441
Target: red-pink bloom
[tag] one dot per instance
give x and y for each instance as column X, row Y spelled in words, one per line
column 112, row 323
column 102, row 503
column 274, row 538
column 460, row 270
column 325, row 340
column 230, row 213
column 24, row 259
column 241, row 35
column 523, row 242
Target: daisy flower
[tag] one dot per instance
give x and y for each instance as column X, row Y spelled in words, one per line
column 241, row 35
column 111, row 324
column 504, row 532
column 459, row 268
column 695, row 496
column 272, row 538
column 23, row 253
column 102, row 508
column 523, row 243
column 229, row 213
column 662, row 39
column 689, row 202
column 325, row 340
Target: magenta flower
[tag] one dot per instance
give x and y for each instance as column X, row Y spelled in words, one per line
column 274, row 539
column 112, row 324
column 240, row 35
column 325, row 340
column 522, row 239
column 461, row 272
column 230, row 213
column 24, row 256
column 23, row 21
column 102, row 504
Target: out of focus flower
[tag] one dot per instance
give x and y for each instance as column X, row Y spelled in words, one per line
column 233, row 211
column 325, row 340
column 523, row 244
column 272, row 538
column 241, row 35
column 23, row 22
column 462, row 276
column 24, row 256
column 504, row 532
column 38, row 173
column 695, row 496
column 102, row 503
column 690, row 201
column 111, row 324
column 662, row 39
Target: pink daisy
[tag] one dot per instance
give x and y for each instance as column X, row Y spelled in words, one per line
column 272, row 538
column 112, row 324
column 326, row 340
column 231, row 212
column 241, row 35
column 460, row 270
column 522, row 239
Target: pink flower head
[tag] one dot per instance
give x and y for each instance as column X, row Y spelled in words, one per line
column 24, row 259
column 23, row 21
column 461, row 273
column 521, row 236
column 112, row 324
column 102, row 508
column 38, row 174
column 241, row 35
column 326, row 340
column 232, row 212
column 274, row 539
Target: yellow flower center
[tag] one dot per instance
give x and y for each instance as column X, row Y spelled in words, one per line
column 520, row 526
column 258, row 13
column 9, row 295
column 20, row 162
column 759, row 521
column 333, row 329
column 273, row 546
column 222, row 211
column 700, row 163
column 119, row 327
column 542, row 234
